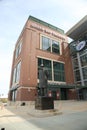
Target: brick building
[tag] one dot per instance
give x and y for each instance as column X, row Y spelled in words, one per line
column 41, row 42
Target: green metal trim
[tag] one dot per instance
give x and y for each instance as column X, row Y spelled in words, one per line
column 60, row 86
column 81, row 87
column 65, row 86
column 57, row 86
column 46, row 24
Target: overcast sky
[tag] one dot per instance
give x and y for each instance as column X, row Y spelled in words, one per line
column 13, row 15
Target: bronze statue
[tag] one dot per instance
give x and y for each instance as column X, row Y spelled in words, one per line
column 43, row 77
column 43, row 101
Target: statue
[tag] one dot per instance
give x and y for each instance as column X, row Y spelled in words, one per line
column 43, row 77
column 43, row 102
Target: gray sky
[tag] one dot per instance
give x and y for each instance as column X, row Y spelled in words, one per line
column 13, row 15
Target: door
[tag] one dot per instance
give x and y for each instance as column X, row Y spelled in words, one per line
column 63, row 94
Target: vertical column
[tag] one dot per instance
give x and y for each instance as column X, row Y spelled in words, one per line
column 52, row 71
column 80, row 68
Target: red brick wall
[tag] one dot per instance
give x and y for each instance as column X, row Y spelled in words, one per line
column 68, row 65
column 25, row 94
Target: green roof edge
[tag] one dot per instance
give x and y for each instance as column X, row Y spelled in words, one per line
column 46, row 24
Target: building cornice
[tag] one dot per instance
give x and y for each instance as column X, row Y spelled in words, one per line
column 46, row 24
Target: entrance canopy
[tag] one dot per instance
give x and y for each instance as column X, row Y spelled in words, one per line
column 60, row 86
column 79, row 29
column 67, row 86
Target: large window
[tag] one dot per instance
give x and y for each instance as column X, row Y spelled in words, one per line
column 85, row 82
column 55, row 69
column 77, row 75
column 84, row 60
column 14, row 76
column 84, row 72
column 50, row 45
column 46, row 44
column 75, row 63
column 18, row 48
column 55, row 47
column 16, row 73
column 14, row 95
column 47, row 64
column 58, row 71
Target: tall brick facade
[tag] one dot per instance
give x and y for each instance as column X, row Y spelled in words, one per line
column 29, row 50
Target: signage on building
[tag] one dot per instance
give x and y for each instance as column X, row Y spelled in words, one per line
column 80, row 45
column 46, row 31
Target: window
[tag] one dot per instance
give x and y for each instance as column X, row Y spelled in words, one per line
column 77, row 75
column 16, row 73
column 14, row 76
column 18, row 48
column 14, row 95
column 75, row 63
column 55, row 47
column 84, row 60
column 47, row 64
column 46, row 44
column 84, row 72
column 85, row 82
column 56, row 73
column 50, row 45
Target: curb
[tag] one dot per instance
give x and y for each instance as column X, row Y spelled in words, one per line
column 44, row 113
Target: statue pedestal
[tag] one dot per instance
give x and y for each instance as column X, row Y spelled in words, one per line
column 44, row 103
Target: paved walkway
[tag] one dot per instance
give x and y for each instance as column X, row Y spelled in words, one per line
column 61, row 107
column 71, row 106
column 12, row 116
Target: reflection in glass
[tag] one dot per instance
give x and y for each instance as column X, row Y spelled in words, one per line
column 75, row 63
column 84, row 72
column 85, row 82
column 46, row 45
column 83, row 60
column 55, row 47
column 77, row 75
column 47, row 64
column 58, row 71
column 50, row 45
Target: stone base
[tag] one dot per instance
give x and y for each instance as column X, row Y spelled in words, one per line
column 44, row 103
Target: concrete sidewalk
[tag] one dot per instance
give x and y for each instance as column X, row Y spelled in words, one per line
column 19, row 117
column 71, row 106
column 61, row 107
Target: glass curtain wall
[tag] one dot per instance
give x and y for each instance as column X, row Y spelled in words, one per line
column 79, row 60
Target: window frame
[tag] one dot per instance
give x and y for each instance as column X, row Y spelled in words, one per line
column 16, row 73
column 52, row 71
column 18, row 48
column 51, row 40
